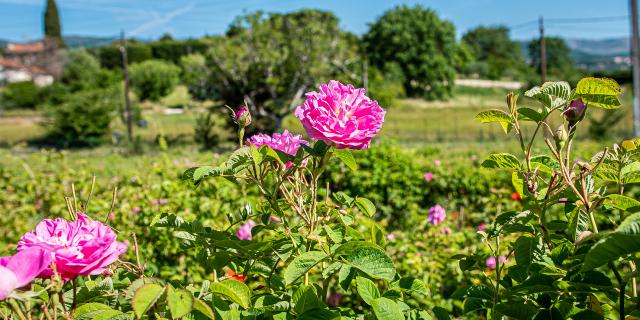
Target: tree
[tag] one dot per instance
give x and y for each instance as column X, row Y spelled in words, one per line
column 154, row 79
column 196, row 75
column 52, row 29
column 82, row 71
column 421, row 43
column 269, row 61
column 493, row 47
column 560, row 65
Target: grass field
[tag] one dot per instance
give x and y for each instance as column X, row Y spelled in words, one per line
column 410, row 121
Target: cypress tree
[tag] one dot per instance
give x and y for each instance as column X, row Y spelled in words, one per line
column 52, row 28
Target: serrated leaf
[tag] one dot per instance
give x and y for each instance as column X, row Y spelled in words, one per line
column 501, row 161
column 372, row 261
column 145, row 297
column 366, row 206
column 599, row 92
column 180, row 302
column 367, row 290
column 386, row 309
column 204, row 309
column 621, row 242
column 90, row 311
column 347, row 158
column 528, row 250
column 305, row 298
column 234, row 291
column 301, row 265
column 495, row 115
column 621, row 202
column 578, row 223
column 517, row 310
column 531, row 114
column 551, row 94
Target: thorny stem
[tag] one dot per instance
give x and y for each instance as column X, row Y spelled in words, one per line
column 16, row 309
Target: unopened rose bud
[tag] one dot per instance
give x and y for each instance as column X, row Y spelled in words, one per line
column 560, row 136
column 575, row 111
column 242, row 117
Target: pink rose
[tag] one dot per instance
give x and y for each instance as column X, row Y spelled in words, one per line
column 79, row 248
column 428, row 176
column 437, row 163
column 244, row 232
column 491, row 262
column 341, row 115
column 481, row 227
column 20, row 269
column 391, row 237
column 437, row 214
column 285, row 142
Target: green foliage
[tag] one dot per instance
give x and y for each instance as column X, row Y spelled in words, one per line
column 560, row 65
column 196, row 76
column 421, row 43
column 20, row 95
column 154, row 79
column 52, row 27
column 574, row 242
column 84, row 118
column 386, row 86
column 204, row 130
column 493, row 48
column 111, row 58
column 82, row 71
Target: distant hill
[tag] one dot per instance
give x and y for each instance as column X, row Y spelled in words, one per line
column 77, row 41
column 597, row 55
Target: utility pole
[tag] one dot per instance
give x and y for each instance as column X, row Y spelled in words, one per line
column 635, row 61
column 543, row 52
column 365, row 76
column 127, row 101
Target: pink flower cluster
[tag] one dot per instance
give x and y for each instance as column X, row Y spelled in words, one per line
column 341, row 115
column 244, row 232
column 79, row 248
column 491, row 261
column 437, row 214
column 285, row 142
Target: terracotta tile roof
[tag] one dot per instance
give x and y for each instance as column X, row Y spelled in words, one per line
column 32, row 47
column 16, row 65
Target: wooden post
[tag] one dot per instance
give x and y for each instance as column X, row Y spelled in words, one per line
column 635, row 62
column 127, row 101
column 543, row 52
column 365, row 76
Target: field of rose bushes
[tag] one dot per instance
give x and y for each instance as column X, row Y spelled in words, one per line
column 342, row 225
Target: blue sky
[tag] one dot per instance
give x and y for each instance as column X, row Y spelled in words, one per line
column 149, row 19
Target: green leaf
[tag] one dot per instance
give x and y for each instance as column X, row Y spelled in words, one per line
column 346, row 157
column 145, row 297
column 367, row 290
column 517, row 310
column 551, row 94
column 531, row 114
column 599, row 92
column 411, row 285
column 305, row 298
column 621, row 202
column 204, row 309
column 372, row 261
column 441, row 313
column 180, row 302
column 234, row 291
column 320, row 314
column 366, row 206
column 501, row 161
column 528, row 250
column 301, row 265
column 578, row 223
column 89, row 311
column 386, row 309
column 623, row 241
column 495, row 115
column 345, row 276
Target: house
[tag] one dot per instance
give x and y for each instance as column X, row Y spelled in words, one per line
column 40, row 62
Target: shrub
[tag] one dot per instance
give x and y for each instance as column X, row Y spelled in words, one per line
column 20, row 95
column 84, row 118
column 154, row 79
column 82, row 71
column 196, row 75
column 204, row 133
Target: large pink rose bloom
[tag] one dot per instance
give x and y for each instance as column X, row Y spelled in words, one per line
column 20, row 269
column 341, row 115
column 79, row 248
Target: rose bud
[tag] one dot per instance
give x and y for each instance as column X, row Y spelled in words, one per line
column 575, row 111
column 242, row 116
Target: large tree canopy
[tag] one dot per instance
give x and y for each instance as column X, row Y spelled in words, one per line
column 269, row 61
column 421, row 43
column 497, row 55
column 560, row 65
